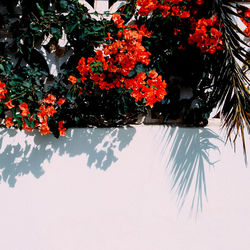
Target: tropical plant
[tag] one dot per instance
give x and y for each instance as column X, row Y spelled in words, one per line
column 198, row 45
column 115, row 67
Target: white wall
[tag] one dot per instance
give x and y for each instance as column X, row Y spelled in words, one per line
column 110, row 189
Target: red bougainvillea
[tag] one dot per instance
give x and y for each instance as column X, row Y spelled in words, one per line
column 45, row 111
column 3, row 90
column 177, row 8
column 111, row 67
column 38, row 119
column 206, row 31
column 206, row 36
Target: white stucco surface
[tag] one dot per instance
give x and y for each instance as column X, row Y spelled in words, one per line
column 110, row 189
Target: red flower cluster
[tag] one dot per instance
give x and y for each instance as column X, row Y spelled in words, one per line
column 177, row 8
column 150, row 88
column 147, row 6
column 3, row 91
column 206, row 36
column 46, row 111
column 25, row 116
column 72, row 79
column 42, row 115
column 9, row 122
column 61, row 128
column 110, row 68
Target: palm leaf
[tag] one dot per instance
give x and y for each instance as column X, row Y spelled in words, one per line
column 232, row 85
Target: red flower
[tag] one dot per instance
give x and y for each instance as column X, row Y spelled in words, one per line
column 152, row 74
column 118, row 20
column 176, row 31
column 216, row 33
column 26, row 127
column 199, row 2
column 3, row 91
column 109, row 37
column 61, row 101
column 24, row 108
column 42, row 114
column 83, row 69
column 146, row 6
column 9, row 122
column 181, row 47
column 207, row 42
column 44, row 128
column 50, row 111
column 247, row 13
column 110, row 68
column 61, row 128
column 50, row 99
column 9, row 104
column 166, row 10
column 72, row 79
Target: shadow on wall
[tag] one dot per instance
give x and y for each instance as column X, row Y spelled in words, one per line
column 27, row 153
column 187, row 153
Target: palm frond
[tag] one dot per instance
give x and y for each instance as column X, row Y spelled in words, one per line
column 232, row 88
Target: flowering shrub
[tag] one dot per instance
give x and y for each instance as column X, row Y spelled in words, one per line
column 178, row 8
column 118, row 68
column 206, row 36
column 30, row 118
column 114, row 65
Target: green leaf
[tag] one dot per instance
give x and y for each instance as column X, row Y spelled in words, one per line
column 26, row 84
column 19, row 122
column 63, row 4
column 139, row 68
column 47, row 87
column 41, row 11
column 106, row 13
column 70, row 28
column 97, row 28
column 1, row 109
column 13, row 111
column 39, row 95
column 34, row 27
column 8, row 68
column 56, row 32
column 27, row 121
column 2, row 68
column 30, row 98
column 17, row 77
column 32, row 124
column 132, row 73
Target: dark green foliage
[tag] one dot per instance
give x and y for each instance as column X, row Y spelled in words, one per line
column 33, row 81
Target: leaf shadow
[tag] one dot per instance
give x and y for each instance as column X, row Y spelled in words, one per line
column 187, row 160
column 22, row 154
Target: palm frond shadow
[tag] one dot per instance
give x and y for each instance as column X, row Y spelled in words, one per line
column 188, row 158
